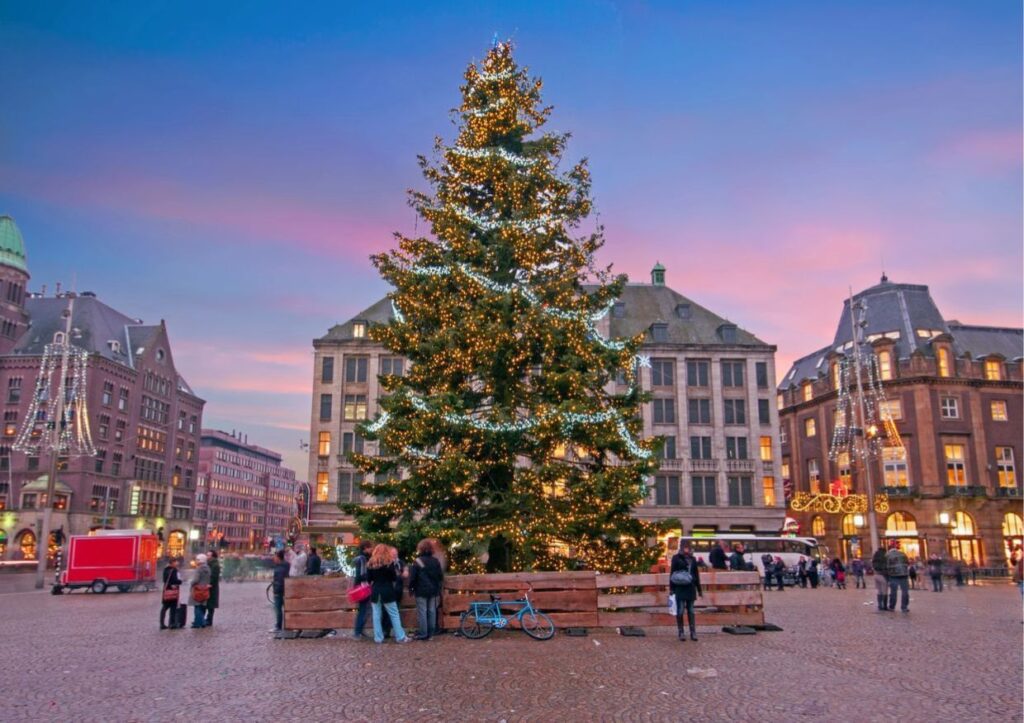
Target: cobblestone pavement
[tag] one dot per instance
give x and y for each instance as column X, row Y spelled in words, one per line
column 955, row 656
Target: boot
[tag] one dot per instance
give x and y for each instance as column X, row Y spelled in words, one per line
column 693, row 633
column 682, row 635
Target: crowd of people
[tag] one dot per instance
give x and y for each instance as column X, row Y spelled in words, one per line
column 200, row 591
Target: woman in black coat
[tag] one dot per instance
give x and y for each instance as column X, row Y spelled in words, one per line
column 214, row 600
column 382, row 574
column 685, row 592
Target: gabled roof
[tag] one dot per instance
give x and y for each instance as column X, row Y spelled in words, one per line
column 95, row 325
column 379, row 313
column 981, row 341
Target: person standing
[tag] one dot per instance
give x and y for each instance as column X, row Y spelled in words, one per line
column 897, row 569
column 281, row 570
column 314, row 565
column 214, row 602
column 812, row 573
column 857, row 567
column 297, row 563
column 912, row 574
column 768, row 565
column 425, row 577
column 839, row 573
column 801, row 569
column 736, row 561
column 881, row 584
column 199, row 593
column 935, row 572
column 684, row 584
column 717, row 556
column 382, row 574
column 779, row 567
column 172, row 589
column 959, row 570
column 359, row 563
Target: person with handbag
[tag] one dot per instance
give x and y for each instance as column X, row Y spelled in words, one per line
column 359, row 563
column 684, row 585
column 425, row 579
column 199, row 594
column 172, row 588
column 383, row 576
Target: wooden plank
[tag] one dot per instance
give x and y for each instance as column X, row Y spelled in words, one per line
column 607, row 580
column 732, row 598
column 314, row 586
column 561, row 620
column 316, row 604
column 631, row 600
column 718, row 577
column 649, row 619
column 340, row 620
column 521, row 581
column 545, row 601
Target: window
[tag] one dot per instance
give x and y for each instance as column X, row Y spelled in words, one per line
column 668, row 450
column 785, row 468
column 998, row 409
column 808, row 392
column 768, row 485
column 355, row 368
column 885, row 365
column 351, row 442
column 664, row 411
column 894, row 467
column 11, row 423
column 119, row 428
column 761, row 372
column 818, row 526
column 942, row 355
column 766, row 449
column 122, row 400
column 355, row 407
column 1005, row 468
column 322, row 487
column 700, row 447
column 900, row 523
column 659, row 333
column 324, row 444
column 704, row 493
column 663, row 372
column 326, row 402
column 348, row 487
column 949, row 408
column 893, row 409
column 666, row 490
column 845, row 472
column 810, row 427
column 697, row 373
column 764, row 415
column 732, row 373
column 699, row 411
column 392, row 365
column 993, row 370
column 956, row 469
column 783, row 435
column 736, row 447
column 836, row 374
column 358, row 329
column 327, row 369
column 115, row 464
column 735, row 411
column 101, row 458
column 813, row 476
column 740, row 492
column 14, row 390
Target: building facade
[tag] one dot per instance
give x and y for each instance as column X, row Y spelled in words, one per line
column 245, row 498
column 712, row 385
column 954, row 393
column 144, row 418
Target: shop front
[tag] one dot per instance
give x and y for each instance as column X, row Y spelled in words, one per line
column 902, row 527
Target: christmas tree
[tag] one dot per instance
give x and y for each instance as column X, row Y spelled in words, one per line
column 503, row 439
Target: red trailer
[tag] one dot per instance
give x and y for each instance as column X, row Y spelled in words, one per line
column 125, row 558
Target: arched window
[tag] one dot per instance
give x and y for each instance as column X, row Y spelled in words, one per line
column 27, row 544
column 943, row 360
column 849, row 526
column 885, row 365
column 900, row 522
column 835, row 374
column 818, row 526
column 964, row 524
column 58, row 337
column 1013, row 526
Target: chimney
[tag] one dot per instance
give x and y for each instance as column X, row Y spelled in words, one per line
column 658, row 275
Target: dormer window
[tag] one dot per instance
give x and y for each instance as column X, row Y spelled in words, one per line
column 727, row 333
column 942, row 357
column 659, row 332
column 993, row 370
column 684, row 311
column 115, row 346
column 358, row 329
column 59, row 338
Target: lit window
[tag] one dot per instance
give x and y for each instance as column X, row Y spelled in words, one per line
column 813, row 475
column 769, row 491
column 810, row 427
column 324, row 444
column 835, row 375
column 956, row 469
column 785, row 468
column 808, row 392
column 998, row 411
column 839, row 417
column 358, row 329
column 818, row 527
column 901, row 523
column 1005, row 467
column 892, row 409
column 943, row 361
column 849, row 526
column 884, row 365
column 949, row 408
column 993, row 370
column 780, row 401
column 766, row 449
column 894, row 466
column 843, row 462
column 322, row 486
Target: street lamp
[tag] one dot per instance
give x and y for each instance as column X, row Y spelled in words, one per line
column 858, row 520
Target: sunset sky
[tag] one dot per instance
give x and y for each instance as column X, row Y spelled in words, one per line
column 229, row 167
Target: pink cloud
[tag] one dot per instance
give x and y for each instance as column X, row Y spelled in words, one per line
column 996, row 150
column 226, row 367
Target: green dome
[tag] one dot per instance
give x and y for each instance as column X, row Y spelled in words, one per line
column 12, row 246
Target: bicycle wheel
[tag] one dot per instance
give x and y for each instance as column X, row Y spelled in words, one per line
column 270, row 593
column 473, row 628
column 537, row 625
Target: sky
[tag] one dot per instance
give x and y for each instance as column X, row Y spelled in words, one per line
column 230, row 167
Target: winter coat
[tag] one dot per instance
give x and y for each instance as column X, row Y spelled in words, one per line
column 686, row 593
column 425, row 576
column 736, row 561
column 359, row 569
column 878, row 561
column 717, row 558
column 383, row 583
column 313, row 565
column 214, row 602
column 200, row 577
column 281, row 571
column 172, row 579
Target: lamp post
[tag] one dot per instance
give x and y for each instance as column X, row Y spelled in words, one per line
column 858, row 338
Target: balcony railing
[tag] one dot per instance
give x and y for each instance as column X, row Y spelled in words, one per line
column 966, row 491
column 739, row 465
column 666, row 463
column 1008, row 492
column 901, row 491
column 703, row 465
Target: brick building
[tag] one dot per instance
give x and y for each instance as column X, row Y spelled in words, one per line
column 954, row 392
column 244, row 496
column 145, row 419
column 712, row 402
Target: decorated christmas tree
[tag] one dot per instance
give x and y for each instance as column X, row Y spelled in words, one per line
column 502, row 439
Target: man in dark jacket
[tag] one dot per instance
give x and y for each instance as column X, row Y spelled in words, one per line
column 359, row 577
column 685, row 593
column 736, row 561
column 717, row 557
column 425, row 577
column 281, row 571
column 213, row 602
column 881, row 584
column 313, row 562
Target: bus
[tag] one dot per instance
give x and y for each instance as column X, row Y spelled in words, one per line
column 790, row 549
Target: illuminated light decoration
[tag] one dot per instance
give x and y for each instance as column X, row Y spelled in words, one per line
column 495, row 152
column 379, row 423
column 877, row 430
column 486, row 224
column 643, row 361
column 479, row 112
column 837, row 504
column 500, row 75
column 75, row 437
column 418, row 453
column 399, row 316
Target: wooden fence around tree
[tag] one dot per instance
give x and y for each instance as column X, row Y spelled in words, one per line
column 572, row 599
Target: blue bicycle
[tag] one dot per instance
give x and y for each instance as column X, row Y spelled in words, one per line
column 483, row 617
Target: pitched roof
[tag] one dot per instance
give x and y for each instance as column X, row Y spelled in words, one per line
column 379, row 313
column 95, row 325
column 981, row 341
